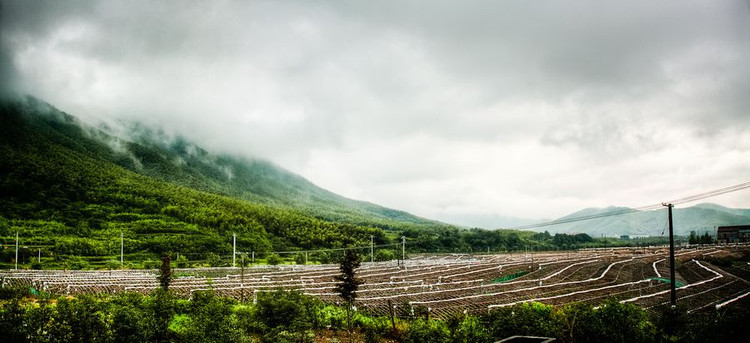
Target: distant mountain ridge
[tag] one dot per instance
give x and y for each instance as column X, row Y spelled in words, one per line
column 701, row 218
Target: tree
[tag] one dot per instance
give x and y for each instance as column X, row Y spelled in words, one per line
column 348, row 283
column 165, row 272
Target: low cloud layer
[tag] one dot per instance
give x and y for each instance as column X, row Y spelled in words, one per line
column 459, row 112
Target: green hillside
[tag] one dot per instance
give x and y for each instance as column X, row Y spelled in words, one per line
column 176, row 160
column 66, row 190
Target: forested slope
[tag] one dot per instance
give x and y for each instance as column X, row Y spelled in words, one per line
column 61, row 186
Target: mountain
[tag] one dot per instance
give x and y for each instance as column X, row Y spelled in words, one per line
column 489, row 221
column 699, row 218
column 174, row 159
column 72, row 188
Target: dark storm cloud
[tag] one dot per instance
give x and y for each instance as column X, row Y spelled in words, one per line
column 429, row 106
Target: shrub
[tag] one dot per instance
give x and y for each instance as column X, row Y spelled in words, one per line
column 286, row 311
column 299, row 259
column 112, row 264
column 273, row 259
column 384, row 255
column 433, row 331
column 215, row 260
column 182, row 262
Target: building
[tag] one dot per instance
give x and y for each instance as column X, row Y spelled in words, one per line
column 733, row 234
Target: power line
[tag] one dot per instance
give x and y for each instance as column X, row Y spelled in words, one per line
column 682, row 200
column 709, row 194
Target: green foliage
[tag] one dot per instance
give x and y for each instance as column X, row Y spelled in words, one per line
column 112, row 264
column 80, row 320
column 421, row 330
column 289, row 316
column 299, row 259
column 214, row 260
column 469, row 330
column 282, row 312
column 705, row 238
column 12, row 321
column 273, row 259
column 576, row 322
column 530, row 319
column 182, row 262
column 150, row 264
column 324, row 257
column 382, row 255
column 332, row 316
column 211, row 319
column 348, row 281
column 131, row 320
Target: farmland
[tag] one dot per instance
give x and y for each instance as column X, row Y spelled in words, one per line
column 444, row 285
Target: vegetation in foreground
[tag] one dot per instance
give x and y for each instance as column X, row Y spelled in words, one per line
column 288, row 316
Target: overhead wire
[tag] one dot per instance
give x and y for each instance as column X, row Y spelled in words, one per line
column 677, row 201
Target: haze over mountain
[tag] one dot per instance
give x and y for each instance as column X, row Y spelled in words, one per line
column 700, row 218
column 176, row 160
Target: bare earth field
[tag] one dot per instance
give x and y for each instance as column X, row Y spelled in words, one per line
column 442, row 285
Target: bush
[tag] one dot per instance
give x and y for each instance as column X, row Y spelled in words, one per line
column 211, row 319
column 384, row 255
column 112, row 264
column 151, row 264
column 433, row 331
column 467, row 329
column 528, row 319
column 372, row 328
column 331, row 316
column 182, row 262
column 286, row 311
column 324, row 257
column 215, row 260
column 78, row 264
column 299, row 259
column 273, row 259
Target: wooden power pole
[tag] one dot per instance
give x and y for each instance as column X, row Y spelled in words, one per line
column 673, row 297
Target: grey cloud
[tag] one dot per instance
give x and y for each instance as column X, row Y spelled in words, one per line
column 598, row 81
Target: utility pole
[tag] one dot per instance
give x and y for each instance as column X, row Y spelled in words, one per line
column 40, row 256
column 16, row 250
column 372, row 248
column 673, row 298
column 234, row 250
column 122, row 250
column 403, row 249
column 253, row 257
column 242, row 278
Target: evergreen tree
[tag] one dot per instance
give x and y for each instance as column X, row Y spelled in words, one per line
column 348, row 283
column 165, row 272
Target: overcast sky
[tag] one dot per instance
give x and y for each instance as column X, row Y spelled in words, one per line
column 461, row 111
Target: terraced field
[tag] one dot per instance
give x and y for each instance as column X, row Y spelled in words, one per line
column 442, row 285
